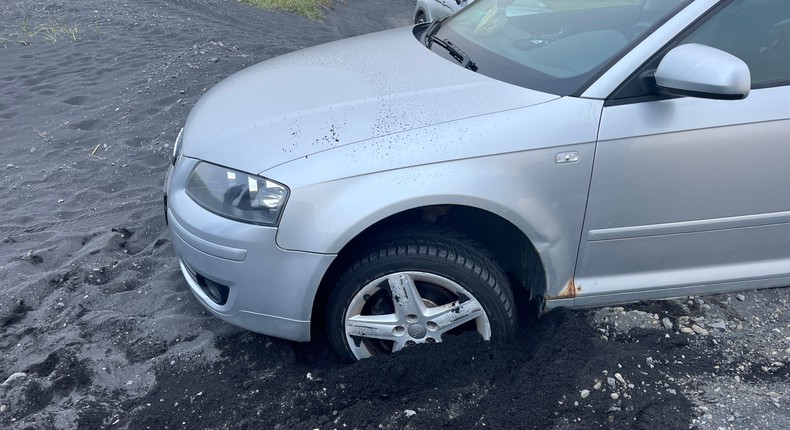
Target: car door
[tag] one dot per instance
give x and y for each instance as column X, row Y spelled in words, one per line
column 690, row 195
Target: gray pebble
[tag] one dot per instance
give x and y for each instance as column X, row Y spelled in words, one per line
column 740, row 297
column 14, row 377
column 667, row 323
column 699, row 330
column 718, row 325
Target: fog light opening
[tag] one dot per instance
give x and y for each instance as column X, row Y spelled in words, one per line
column 218, row 293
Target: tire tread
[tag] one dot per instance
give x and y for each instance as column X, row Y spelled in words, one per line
column 437, row 243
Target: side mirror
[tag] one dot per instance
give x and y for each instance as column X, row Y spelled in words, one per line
column 701, row 71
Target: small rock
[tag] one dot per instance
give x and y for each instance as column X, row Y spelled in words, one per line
column 410, row 413
column 614, row 396
column 718, row 325
column 699, row 330
column 14, row 377
column 686, row 330
column 214, row 60
column 620, row 378
column 61, row 200
column 585, row 393
column 309, row 376
column 33, row 150
column 740, row 297
column 667, row 323
column 598, row 383
column 9, row 166
column 611, row 381
column 3, row 408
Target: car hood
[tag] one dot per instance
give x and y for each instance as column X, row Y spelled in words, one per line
column 338, row 94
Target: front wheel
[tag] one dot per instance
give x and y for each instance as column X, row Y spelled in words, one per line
column 418, row 288
column 419, row 18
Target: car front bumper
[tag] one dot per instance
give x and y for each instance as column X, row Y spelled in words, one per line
column 237, row 271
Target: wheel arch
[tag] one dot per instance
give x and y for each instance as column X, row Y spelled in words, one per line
column 508, row 244
column 421, row 7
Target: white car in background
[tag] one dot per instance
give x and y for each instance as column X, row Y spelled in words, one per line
column 428, row 10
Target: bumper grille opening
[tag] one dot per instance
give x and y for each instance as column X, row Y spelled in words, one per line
column 215, row 291
column 218, row 293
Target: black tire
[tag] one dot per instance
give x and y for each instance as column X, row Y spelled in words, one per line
column 419, row 18
column 457, row 285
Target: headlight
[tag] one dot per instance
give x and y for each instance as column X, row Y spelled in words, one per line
column 177, row 146
column 236, row 195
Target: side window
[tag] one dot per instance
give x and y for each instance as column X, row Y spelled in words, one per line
column 757, row 32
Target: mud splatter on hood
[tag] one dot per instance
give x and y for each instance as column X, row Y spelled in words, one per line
column 337, row 94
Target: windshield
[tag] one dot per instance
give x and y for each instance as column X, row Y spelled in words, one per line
column 553, row 46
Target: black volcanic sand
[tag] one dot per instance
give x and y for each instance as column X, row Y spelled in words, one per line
column 99, row 330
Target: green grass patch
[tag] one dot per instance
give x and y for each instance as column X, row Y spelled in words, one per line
column 313, row 9
column 51, row 31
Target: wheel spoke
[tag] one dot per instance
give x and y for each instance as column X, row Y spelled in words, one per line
column 452, row 315
column 373, row 326
column 405, row 296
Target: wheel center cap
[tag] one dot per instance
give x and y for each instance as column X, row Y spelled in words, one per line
column 417, row 331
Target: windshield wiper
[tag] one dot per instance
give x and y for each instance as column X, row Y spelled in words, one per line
column 432, row 29
column 454, row 51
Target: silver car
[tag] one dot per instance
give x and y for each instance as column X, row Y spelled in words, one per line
column 428, row 10
column 401, row 187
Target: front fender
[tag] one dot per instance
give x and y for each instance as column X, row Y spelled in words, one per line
column 502, row 163
column 545, row 202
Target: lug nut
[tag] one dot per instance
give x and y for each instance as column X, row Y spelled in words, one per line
column 411, row 318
